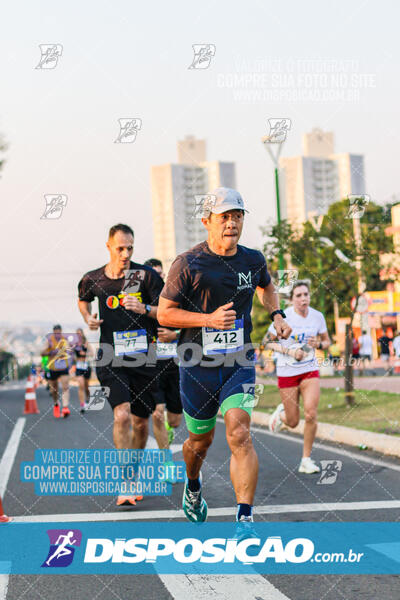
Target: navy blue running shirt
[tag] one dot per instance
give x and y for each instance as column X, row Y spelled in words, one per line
column 201, row 281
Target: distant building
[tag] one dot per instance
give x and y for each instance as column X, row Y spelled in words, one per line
column 318, row 178
column 173, row 190
column 390, row 262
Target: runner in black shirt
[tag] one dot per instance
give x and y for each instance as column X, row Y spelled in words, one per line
column 167, row 378
column 128, row 294
column 384, row 342
column 209, row 294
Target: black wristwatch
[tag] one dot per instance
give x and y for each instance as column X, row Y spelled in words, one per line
column 147, row 308
column 277, row 312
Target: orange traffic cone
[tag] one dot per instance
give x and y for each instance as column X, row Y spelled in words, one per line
column 30, row 398
column 3, row 517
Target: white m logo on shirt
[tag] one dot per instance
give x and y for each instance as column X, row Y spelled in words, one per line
column 245, row 279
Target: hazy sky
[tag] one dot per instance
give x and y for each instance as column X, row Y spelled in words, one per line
column 320, row 64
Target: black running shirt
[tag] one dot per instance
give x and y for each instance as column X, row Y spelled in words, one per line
column 141, row 281
column 201, row 281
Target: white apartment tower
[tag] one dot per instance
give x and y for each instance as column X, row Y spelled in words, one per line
column 173, row 190
column 318, row 178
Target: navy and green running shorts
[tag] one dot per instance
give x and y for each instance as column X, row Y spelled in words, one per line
column 206, row 390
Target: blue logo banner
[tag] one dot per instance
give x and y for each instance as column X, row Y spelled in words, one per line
column 207, row 548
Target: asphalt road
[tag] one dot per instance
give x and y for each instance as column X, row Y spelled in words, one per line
column 279, row 486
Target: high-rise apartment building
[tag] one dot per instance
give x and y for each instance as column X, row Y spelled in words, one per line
column 318, row 178
column 176, row 227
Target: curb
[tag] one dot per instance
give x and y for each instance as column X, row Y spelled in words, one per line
column 380, row 442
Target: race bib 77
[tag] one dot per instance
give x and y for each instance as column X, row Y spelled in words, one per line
column 130, row 342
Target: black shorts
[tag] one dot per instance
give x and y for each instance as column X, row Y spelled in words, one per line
column 86, row 373
column 168, row 392
column 54, row 375
column 128, row 384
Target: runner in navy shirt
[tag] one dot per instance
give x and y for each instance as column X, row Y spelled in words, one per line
column 208, row 295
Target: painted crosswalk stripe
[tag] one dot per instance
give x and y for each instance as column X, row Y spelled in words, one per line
column 9, row 454
column 220, row 587
column 225, row 511
column 6, row 464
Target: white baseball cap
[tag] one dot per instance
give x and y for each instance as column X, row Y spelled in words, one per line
column 226, row 199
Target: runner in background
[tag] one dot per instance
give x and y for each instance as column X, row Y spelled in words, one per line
column 298, row 375
column 168, row 394
column 61, row 360
column 83, row 353
column 127, row 294
column 396, row 345
column 355, row 353
column 365, row 341
column 384, row 343
column 334, row 354
column 45, row 367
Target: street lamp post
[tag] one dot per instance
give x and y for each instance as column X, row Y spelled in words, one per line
column 268, row 141
column 281, row 260
column 316, row 221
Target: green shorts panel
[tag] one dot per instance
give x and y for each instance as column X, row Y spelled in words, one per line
column 243, row 401
column 199, row 425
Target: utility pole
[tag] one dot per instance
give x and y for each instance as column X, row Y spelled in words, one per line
column 278, row 132
column 357, row 206
column 316, row 221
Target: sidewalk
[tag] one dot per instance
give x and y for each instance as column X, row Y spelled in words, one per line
column 383, row 383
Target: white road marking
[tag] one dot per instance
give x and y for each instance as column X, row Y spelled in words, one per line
column 6, row 464
column 4, row 577
column 10, row 452
column 12, row 386
column 225, row 511
column 220, row 587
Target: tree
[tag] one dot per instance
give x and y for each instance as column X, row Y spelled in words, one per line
column 338, row 279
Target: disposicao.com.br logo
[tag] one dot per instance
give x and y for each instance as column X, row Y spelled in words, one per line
column 252, row 550
column 148, row 547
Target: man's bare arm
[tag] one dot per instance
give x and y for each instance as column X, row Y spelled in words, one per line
column 170, row 315
column 85, row 308
column 268, row 297
column 270, row 301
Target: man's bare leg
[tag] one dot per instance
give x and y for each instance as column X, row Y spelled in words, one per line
column 160, row 433
column 174, row 419
column 53, row 385
column 244, row 461
column 65, row 389
column 122, row 430
column 195, row 450
column 140, row 432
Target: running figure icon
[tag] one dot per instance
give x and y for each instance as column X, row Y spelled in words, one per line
column 62, row 549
